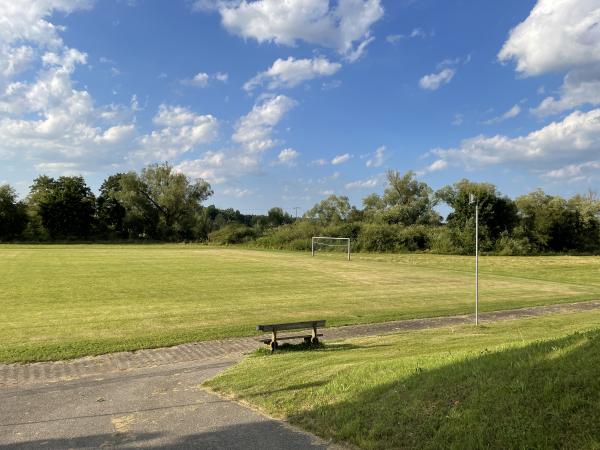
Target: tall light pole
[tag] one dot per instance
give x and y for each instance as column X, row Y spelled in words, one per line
column 472, row 200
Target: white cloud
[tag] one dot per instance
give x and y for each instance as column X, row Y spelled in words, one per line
column 363, row 184
column 511, row 113
column 415, row 33
column 433, row 81
column 344, row 26
column 560, row 36
column 253, row 131
column 180, row 130
column 318, row 162
column 199, row 80
column 574, row 140
column 222, row 77
column 378, row 158
column 238, row 192
column 580, row 87
column 253, row 136
column 291, row 72
column 586, row 170
column 340, row 159
column 202, row 79
column 288, row 157
column 557, row 35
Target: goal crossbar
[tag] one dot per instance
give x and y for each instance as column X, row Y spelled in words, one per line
column 315, row 242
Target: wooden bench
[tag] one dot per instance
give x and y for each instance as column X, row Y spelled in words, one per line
column 274, row 328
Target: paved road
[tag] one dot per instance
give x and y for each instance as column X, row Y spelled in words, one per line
column 160, row 407
column 152, row 398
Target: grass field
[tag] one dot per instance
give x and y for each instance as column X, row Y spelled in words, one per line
column 528, row 383
column 59, row 301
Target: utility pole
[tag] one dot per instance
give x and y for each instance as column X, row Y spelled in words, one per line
column 472, row 200
column 296, row 208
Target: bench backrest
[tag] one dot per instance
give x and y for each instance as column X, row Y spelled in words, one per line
column 291, row 326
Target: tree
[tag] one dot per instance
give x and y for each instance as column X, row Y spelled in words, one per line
column 64, row 207
column 405, row 201
column 554, row 224
column 110, row 212
column 166, row 203
column 13, row 214
column 276, row 217
column 331, row 210
column 497, row 214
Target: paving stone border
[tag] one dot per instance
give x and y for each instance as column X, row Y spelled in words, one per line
column 97, row 366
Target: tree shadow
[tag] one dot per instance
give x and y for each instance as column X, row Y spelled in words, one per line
column 543, row 395
column 262, row 435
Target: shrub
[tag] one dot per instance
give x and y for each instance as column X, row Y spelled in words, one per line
column 233, row 233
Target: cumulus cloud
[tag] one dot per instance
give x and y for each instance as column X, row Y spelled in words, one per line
column 571, row 141
column 378, row 158
column 179, row 131
column 344, row 26
column 254, row 130
column 560, row 36
column 288, row 157
column 340, row 159
column 202, row 79
column 252, row 136
column 434, row 81
column 291, row 72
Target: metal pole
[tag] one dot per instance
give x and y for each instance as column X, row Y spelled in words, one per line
column 348, row 249
column 477, row 263
column 312, row 246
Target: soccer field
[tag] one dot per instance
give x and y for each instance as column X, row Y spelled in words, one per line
column 63, row 301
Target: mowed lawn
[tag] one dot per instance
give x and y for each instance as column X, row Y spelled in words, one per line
column 520, row 384
column 64, row 301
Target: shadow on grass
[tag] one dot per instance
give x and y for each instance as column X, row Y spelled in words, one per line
column 544, row 395
column 304, row 347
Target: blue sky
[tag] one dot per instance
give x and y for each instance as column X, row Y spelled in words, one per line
column 284, row 103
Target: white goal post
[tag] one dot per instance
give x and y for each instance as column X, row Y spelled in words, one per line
column 333, row 242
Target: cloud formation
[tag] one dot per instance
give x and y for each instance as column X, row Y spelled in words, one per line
column 560, row 36
column 290, row 72
column 344, row 26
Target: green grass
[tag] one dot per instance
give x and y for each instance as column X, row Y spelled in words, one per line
column 529, row 383
column 64, row 301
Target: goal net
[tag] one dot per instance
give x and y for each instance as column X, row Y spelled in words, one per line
column 330, row 244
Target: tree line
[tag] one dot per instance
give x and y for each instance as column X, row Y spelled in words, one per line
column 159, row 204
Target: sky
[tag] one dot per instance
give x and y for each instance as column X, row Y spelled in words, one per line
column 282, row 103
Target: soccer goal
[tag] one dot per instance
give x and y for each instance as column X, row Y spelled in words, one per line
column 330, row 244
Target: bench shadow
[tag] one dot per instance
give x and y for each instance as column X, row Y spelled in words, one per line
column 304, row 347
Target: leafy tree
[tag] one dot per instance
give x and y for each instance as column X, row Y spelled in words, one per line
column 111, row 213
column 277, row 216
column 13, row 214
column 555, row 224
column 497, row 214
column 65, row 207
column 164, row 202
column 331, row 210
column 405, row 201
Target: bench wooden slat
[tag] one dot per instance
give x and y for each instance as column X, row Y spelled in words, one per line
column 291, row 326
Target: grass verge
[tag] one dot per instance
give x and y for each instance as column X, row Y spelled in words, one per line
column 528, row 383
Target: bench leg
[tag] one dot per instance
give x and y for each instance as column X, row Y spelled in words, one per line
column 315, row 339
column 274, row 343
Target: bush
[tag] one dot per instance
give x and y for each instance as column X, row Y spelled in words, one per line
column 233, row 233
